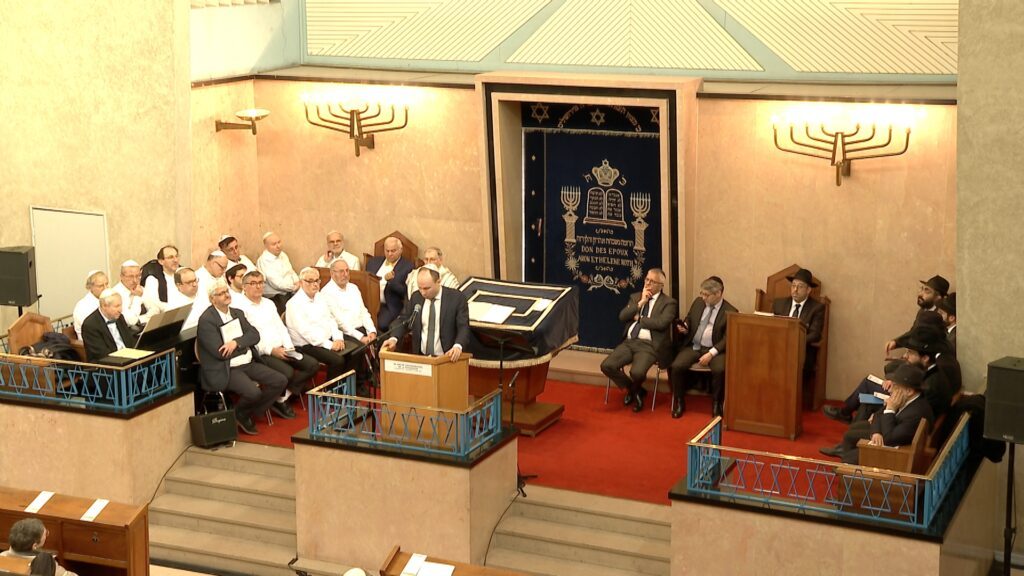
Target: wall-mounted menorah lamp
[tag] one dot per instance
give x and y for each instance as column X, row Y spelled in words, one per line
column 360, row 122
column 250, row 115
column 840, row 146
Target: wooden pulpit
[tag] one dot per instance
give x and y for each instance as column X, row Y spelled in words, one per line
column 763, row 365
column 428, row 381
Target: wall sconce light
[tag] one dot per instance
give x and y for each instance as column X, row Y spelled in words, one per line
column 358, row 122
column 249, row 115
column 841, row 147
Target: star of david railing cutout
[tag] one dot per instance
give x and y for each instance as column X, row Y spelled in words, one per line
column 442, row 427
column 903, row 491
column 739, row 472
column 7, row 379
column 812, row 475
column 789, row 475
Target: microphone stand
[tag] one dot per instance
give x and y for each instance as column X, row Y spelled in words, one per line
column 375, row 347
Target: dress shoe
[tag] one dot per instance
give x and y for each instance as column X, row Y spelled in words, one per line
column 638, row 400
column 246, row 425
column 716, row 408
column 834, row 451
column 627, row 399
column 836, row 413
column 679, row 408
column 283, row 410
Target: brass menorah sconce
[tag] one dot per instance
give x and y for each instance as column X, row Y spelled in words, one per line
column 841, row 147
column 361, row 123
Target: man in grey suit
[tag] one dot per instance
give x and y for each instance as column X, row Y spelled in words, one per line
column 440, row 326
column 802, row 305
column 229, row 361
column 648, row 320
column 704, row 342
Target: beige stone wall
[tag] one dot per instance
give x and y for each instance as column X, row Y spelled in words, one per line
column 990, row 203
column 891, row 223
column 95, row 108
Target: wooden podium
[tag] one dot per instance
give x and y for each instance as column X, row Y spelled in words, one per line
column 763, row 367
column 428, row 381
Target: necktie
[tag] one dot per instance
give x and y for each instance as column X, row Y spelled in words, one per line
column 635, row 332
column 111, row 321
column 702, row 327
column 796, row 311
column 430, row 329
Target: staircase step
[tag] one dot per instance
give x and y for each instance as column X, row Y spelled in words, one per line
column 598, row 512
column 581, row 544
column 260, row 525
column 548, row 566
column 215, row 553
column 246, row 457
column 232, row 486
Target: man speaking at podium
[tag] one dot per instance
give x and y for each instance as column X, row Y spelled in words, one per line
column 437, row 317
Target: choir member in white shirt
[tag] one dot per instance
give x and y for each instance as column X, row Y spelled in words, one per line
column 95, row 283
column 432, row 256
column 312, row 328
column 336, row 249
column 134, row 307
column 345, row 302
column 188, row 289
column 234, row 276
column 281, row 279
column 162, row 289
column 275, row 347
column 229, row 245
column 216, row 265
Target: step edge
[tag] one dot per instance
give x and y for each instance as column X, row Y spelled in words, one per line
column 592, row 512
column 557, row 560
column 208, row 484
column 565, row 540
column 247, row 524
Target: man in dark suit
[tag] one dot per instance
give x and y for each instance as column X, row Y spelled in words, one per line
column 441, row 326
column 947, row 310
column 896, row 424
column 105, row 330
column 393, row 271
column 229, row 361
column 927, row 349
column 802, row 305
column 929, row 294
column 647, row 318
column 704, row 342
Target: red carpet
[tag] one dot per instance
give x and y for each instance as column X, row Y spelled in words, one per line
column 609, row 450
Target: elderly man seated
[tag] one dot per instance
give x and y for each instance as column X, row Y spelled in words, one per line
column 335, row 250
column 275, row 346
column 313, row 330
column 392, row 269
column 134, row 307
column 26, row 539
column 432, row 257
column 281, row 279
column 95, row 283
column 105, row 330
column 228, row 360
column 228, row 244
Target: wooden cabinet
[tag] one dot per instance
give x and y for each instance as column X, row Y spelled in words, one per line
column 116, row 542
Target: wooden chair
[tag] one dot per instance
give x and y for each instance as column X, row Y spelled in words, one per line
column 77, row 344
column 907, row 458
column 27, row 330
column 778, row 287
column 410, row 251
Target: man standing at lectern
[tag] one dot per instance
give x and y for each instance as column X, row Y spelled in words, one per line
column 802, row 305
column 704, row 342
column 440, row 326
column 648, row 320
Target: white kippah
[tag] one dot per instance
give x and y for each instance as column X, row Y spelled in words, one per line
column 268, row 235
column 432, row 267
column 128, row 263
column 224, row 237
column 91, row 272
column 217, row 254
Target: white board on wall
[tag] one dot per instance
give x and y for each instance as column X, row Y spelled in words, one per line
column 69, row 244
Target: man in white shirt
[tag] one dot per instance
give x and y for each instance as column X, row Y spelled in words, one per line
column 345, row 302
column 95, row 284
column 432, row 257
column 134, row 308
column 336, row 249
column 188, row 289
column 275, row 347
column 229, row 245
column 392, row 269
column 216, row 265
column 160, row 288
column 312, row 329
column 233, row 277
column 281, row 279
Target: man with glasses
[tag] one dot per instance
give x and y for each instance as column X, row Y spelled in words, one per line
column 187, row 288
column 229, row 245
column 228, row 361
column 392, row 269
column 134, row 308
column 312, row 328
column 703, row 332
column 216, row 265
column 335, row 250
column 95, row 283
column 809, row 310
column 433, row 256
column 648, row 320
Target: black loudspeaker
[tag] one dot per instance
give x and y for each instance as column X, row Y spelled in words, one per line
column 213, row 429
column 17, row 276
column 1004, row 400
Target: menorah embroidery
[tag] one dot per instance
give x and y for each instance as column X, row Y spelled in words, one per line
column 571, row 202
column 640, row 204
column 842, row 147
column 359, row 123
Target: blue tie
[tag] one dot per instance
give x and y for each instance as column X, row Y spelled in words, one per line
column 635, row 332
column 702, row 327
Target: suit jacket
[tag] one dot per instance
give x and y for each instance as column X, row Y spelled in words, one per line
column 951, row 339
column 454, row 320
column 659, row 322
column 898, row 429
column 98, row 341
column 812, row 315
column 717, row 331
column 938, row 388
column 394, row 291
column 217, row 370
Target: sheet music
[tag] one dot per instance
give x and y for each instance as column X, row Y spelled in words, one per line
column 231, row 331
column 489, row 313
column 131, row 353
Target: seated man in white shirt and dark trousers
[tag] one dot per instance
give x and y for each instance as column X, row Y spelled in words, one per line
column 95, row 283
column 134, row 308
column 345, row 301
column 275, row 346
column 228, row 361
column 278, row 274
column 335, row 250
column 313, row 330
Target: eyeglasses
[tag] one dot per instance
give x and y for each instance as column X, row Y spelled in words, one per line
column 255, row 283
column 313, row 281
column 652, row 282
column 220, row 293
column 190, row 283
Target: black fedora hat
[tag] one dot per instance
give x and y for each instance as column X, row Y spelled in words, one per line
column 937, row 283
column 804, row 275
column 948, row 304
column 909, row 376
column 927, row 339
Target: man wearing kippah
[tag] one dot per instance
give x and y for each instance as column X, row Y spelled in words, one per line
column 280, row 278
column 133, row 307
column 228, row 244
column 95, row 283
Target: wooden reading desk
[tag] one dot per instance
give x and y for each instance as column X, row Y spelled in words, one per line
column 397, row 560
column 116, row 542
column 14, row 565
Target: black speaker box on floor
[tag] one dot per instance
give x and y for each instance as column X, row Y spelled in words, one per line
column 1004, row 400
column 213, row 429
column 17, row 276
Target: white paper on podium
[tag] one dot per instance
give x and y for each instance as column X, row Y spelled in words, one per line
column 413, row 566
column 436, row 569
column 489, row 313
column 95, row 510
column 39, row 502
column 541, row 304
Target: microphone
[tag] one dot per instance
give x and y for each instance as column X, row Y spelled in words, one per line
column 415, row 312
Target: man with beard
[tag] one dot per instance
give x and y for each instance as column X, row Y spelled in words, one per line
column 928, row 295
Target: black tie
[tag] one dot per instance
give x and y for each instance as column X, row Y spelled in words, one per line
column 635, row 332
column 796, row 312
column 430, row 330
column 111, row 321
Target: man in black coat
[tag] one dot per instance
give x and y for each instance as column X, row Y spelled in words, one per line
column 703, row 332
column 393, row 271
column 105, row 330
column 229, row 361
column 809, row 310
column 648, row 320
column 929, row 294
column 440, row 326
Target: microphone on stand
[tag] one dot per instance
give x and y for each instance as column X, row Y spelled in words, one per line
column 415, row 312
